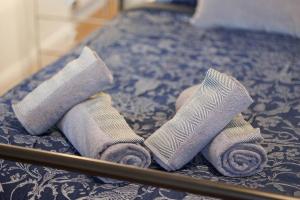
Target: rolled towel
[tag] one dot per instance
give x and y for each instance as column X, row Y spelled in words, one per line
column 235, row 150
column 97, row 130
column 210, row 109
column 77, row 81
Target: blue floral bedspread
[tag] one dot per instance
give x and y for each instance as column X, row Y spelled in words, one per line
column 154, row 55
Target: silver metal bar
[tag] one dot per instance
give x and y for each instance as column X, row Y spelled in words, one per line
column 134, row 174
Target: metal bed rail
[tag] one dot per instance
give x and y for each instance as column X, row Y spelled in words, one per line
column 134, row 174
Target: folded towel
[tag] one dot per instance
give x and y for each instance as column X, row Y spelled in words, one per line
column 235, row 150
column 97, row 130
column 77, row 81
column 210, row 109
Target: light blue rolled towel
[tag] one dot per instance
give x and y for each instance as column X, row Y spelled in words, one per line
column 218, row 99
column 235, row 151
column 77, row 81
column 97, row 130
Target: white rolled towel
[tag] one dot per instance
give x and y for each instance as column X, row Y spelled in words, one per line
column 97, row 130
column 77, row 81
column 235, row 151
column 218, row 99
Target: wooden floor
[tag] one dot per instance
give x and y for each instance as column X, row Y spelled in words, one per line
column 11, row 77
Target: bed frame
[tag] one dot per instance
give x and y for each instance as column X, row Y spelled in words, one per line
column 134, row 174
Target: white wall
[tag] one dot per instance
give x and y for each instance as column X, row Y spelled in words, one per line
column 18, row 36
column 17, row 29
column 17, row 33
column 53, row 33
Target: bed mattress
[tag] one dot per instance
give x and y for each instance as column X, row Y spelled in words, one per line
column 154, row 55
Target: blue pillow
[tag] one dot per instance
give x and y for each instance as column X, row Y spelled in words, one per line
column 182, row 2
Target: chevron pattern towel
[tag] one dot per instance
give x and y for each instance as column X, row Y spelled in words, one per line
column 235, row 150
column 77, row 81
column 218, row 99
column 97, row 130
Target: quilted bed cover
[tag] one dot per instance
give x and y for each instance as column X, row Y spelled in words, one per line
column 154, row 55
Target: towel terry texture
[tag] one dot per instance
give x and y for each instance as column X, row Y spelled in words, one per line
column 97, row 130
column 218, row 99
column 235, row 150
column 77, row 81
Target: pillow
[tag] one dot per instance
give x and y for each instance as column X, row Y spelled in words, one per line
column 282, row 16
column 182, row 2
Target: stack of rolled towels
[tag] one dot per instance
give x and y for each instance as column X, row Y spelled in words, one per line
column 208, row 120
column 235, row 151
column 71, row 100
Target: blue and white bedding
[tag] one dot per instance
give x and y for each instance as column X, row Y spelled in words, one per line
column 154, row 55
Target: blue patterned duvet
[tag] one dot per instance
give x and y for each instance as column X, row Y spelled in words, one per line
column 154, row 55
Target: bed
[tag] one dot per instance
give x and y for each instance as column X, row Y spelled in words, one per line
column 153, row 58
